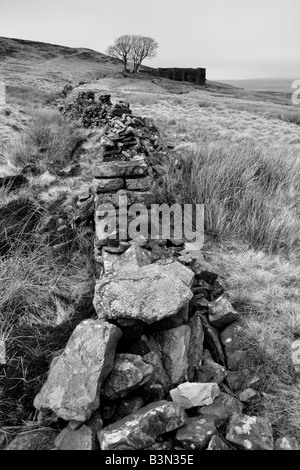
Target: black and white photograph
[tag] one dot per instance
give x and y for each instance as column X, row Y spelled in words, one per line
column 150, row 228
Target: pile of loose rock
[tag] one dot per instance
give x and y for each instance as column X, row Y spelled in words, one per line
column 161, row 366
column 155, row 370
column 125, row 135
column 85, row 108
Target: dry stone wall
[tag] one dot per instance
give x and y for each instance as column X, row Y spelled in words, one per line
column 159, row 367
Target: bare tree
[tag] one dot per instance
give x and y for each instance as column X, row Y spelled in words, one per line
column 121, row 49
column 142, row 47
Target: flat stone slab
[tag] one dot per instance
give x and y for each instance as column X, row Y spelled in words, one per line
column 191, row 394
column 107, row 185
column 120, row 169
column 129, row 373
column 147, row 294
column 176, row 269
column 72, row 389
column 250, row 432
column 141, row 429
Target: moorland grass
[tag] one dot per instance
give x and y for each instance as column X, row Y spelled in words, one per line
column 50, row 142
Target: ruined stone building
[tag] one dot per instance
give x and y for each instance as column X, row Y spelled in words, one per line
column 197, row 76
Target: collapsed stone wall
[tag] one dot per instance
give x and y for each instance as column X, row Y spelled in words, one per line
column 160, row 367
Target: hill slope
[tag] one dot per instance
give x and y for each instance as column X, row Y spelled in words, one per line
column 49, row 66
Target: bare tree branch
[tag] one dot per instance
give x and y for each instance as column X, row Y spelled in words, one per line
column 142, row 47
column 120, row 49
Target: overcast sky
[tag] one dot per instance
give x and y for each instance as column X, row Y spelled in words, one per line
column 231, row 38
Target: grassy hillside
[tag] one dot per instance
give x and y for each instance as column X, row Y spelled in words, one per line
column 48, row 66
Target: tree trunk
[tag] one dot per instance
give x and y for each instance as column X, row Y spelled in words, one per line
column 136, row 67
column 125, row 64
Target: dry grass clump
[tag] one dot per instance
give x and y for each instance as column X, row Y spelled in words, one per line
column 47, row 278
column 46, row 291
column 28, row 97
column 142, row 99
column 50, row 142
column 250, row 193
column 265, row 289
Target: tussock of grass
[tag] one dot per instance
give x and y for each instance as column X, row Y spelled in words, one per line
column 45, row 293
column 50, row 142
column 265, row 288
column 27, row 96
column 142, row 99
column 250, row 193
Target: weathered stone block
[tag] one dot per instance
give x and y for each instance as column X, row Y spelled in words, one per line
column 141, row 429
column 191, row 394
column 72, row 389
column 195, row 434
column 38, row 439
column 221, row 409
column 107, row 185
column 121, row 169
column 129, row 373
column 221, row 312
column 139, row 184
column 250, row 432
column 145, row 294
column 174, row 345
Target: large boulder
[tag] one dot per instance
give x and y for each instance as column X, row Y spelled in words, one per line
column 149, row 294
column 140, row 429
column 72, row 389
